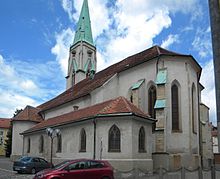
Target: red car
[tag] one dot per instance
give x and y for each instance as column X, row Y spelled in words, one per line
column 78, row 169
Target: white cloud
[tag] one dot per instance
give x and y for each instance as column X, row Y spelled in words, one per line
column 171, row 39
column 136, row 24
column 22, row 83
column 68, row 7
column 208, row 94
column 202, row 42
column 61, row 48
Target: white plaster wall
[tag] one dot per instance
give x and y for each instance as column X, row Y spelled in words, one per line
column 17, row 139
column 70, row 143
column 129, row 128
column 182, row 71
column 68, row 107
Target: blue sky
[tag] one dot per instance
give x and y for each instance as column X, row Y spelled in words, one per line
column 35, row 36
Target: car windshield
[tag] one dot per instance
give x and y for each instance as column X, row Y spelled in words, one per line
column 60, row 165
column 25, row 159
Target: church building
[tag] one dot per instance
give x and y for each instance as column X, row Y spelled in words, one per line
column 142, row 112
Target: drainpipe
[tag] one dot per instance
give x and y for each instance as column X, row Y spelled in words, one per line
column 199, row 127
column 94, row 135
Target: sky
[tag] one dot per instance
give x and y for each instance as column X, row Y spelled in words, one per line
column 35, row 36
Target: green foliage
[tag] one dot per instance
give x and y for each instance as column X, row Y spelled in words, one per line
column 8, row 142
column 17, row 112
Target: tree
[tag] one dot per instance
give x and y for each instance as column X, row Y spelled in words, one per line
column 8, row 141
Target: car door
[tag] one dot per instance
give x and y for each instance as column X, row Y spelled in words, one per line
column 36, row 164
column 94, row 170
column 74, row 171
column 43, row 164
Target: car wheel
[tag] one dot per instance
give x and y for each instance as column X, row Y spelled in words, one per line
column 33, row 171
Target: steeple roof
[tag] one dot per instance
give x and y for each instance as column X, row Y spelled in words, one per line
column 84, row 31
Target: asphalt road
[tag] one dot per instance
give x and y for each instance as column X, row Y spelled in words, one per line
column 6, row 171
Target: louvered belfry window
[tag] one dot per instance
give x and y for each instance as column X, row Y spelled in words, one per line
column 83, row 140
column 142, row 140
column 151, row 101
column 114, row 139
column 175, row 108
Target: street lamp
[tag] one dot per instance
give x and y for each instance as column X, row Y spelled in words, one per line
column 52, row 134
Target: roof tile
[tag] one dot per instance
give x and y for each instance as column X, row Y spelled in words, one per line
column 28, row 114
column 86, row 86
column 114, row 106
column 5, row 123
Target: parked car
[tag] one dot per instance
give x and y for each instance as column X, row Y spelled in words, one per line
column 78, row 169
column 30, row 165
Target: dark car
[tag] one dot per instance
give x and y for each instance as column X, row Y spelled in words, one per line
column 30, row 165
column 78, row 169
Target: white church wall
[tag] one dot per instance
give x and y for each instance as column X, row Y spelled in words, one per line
column 131, row 76
column 127, row 158
column 17, row 138
column 68, row 107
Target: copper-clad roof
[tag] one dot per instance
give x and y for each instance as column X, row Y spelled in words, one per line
column 116, row 106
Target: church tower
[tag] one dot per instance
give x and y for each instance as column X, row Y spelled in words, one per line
column 82, row 56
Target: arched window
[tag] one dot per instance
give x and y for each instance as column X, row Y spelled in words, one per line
column 175, row 107
column 29, row 145
column 194, row 124
column 59, row 143
column 83, row 140
column 152, row 95
column 41, row 144
column 114, row 139
column 141, row 146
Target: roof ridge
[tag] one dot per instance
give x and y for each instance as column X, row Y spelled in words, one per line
column 127, row 103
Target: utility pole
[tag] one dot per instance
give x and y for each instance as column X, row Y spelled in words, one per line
column 214, row 9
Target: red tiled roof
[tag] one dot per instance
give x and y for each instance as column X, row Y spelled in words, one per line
column 5, row 123
column 116, row 106
column 28, row 114
column 84, row 87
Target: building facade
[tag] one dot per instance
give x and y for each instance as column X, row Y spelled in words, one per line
column 4, row 127
column 142, row 112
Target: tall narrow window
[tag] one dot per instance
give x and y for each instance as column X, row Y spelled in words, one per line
column 151, row 101
column 83, row 140
column 29, row 145
column 59, row 143
column 41, row 144
column 141, row 140
column 114, row 139
column 175, row 108
column 194, row 124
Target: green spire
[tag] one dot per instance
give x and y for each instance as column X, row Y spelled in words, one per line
column 83, row 31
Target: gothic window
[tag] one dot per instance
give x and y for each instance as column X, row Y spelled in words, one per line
column 83, row 140
column 194, row 124
column 152, row 94
column 175, row 107
column 59, row 144
column 41, row 144
column 114, row 139
column 29, row 145
column 141, row 146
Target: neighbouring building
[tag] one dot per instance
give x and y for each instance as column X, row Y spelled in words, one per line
column 142, row 112
column 4, row 127
column 215, row 140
